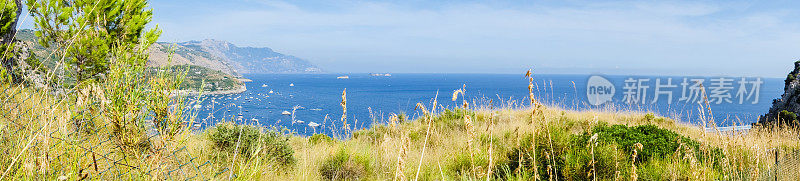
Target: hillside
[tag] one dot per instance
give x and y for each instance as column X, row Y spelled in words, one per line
column 229, row 58
column 219, row 63
column 463, row 144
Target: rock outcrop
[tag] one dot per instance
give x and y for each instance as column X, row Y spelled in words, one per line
column 784, row 110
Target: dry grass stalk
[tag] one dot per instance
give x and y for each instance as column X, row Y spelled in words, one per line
column 491, row 144
column 401, row 156
column 636, row 147
column 344, row 111
column 534, row 105
column 593, row 143
column 429, row 119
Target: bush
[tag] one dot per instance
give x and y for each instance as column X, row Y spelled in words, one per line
column 787, row 116
column 345, row 166
column 572, row 154
column 657, row 142
column 455, row 114
column 319, row 138
column 252, row 142
column 649, row 117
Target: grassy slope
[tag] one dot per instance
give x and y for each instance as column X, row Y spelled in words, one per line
column 452, row 150
column 377, row 151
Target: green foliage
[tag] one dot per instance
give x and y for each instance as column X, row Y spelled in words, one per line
column 345, row 165
column 207, row 79
column 656, row 141
column 402, row 117
column 454, row 114
column 452, row 119
column 649, row 116
column 607, row 160
column 523, row 153
column 8, row 15
column 90, row 31
column 465, row 165
column 319, row 138
column 249, row 141
column 571, row 154
column 787, row 116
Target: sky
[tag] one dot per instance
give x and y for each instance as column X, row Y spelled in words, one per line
column 711, row 38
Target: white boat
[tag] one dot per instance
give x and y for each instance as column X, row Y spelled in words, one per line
column 300, row 122
column 286, row 113
column 313, row 124
column 291, row 85
column 343, row 77
column 263, row 85
column 270, row 91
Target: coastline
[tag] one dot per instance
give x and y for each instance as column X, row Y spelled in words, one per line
column 241, row 89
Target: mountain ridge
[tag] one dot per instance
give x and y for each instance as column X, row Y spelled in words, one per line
column 229, row 58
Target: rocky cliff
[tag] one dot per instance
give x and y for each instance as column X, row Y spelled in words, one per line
column 784, row 110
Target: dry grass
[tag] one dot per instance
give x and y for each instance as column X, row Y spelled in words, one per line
column 388, row 148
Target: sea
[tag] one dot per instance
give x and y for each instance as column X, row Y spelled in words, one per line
column 306, row 104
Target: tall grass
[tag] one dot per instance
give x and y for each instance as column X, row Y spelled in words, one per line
column 133, row 125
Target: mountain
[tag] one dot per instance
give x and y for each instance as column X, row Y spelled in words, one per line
column 229, row 58
column 217, row 63
column 784, row 110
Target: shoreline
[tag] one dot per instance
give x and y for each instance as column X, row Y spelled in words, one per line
column 241, row 89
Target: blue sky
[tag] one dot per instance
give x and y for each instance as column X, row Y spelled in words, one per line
column 734, row 38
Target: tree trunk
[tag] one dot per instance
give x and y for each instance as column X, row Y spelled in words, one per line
column 8, row 38
column 8, row 59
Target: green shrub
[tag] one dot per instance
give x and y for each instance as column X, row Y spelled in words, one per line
column 455, row 114
column 787, row 116
column 402, row 117
column 572, row 154
column 252, row 142
column 319, row 138
column 343, row 165
column 657, row 142
column 649, row 117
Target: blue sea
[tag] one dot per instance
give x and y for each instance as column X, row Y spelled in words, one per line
column 370, row 99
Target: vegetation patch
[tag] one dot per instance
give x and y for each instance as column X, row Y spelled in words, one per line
column 344, row 165
column 249, row 141
column 319, row 138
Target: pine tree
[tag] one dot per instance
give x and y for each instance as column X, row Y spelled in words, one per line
column 90, row 33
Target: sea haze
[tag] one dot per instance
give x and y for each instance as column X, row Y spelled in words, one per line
column 371, row 98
